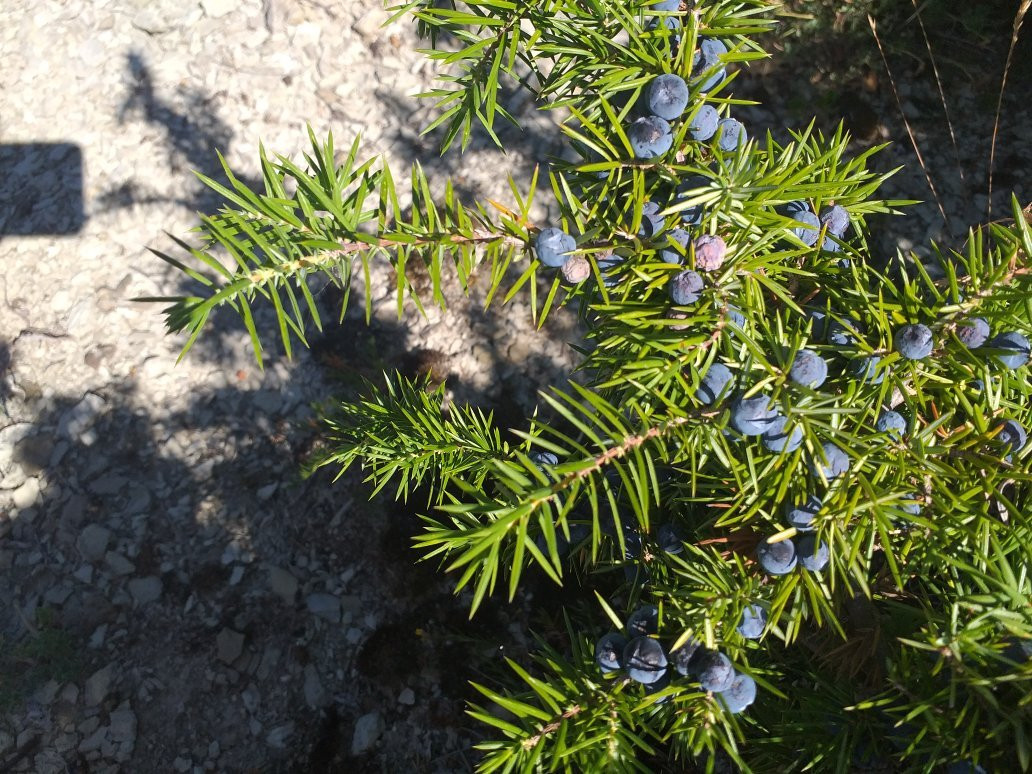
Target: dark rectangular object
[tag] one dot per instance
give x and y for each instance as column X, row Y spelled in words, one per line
column 40, row 188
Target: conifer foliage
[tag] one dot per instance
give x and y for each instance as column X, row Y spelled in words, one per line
column 804, row 466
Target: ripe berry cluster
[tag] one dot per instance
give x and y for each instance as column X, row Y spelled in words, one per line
column 638, row 653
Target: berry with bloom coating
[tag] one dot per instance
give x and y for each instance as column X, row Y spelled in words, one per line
column 576, row 269
column 973, row 332
column 686, row 658
column 810, row 229
column 730, row 134
column 554, row 246
column 715, row 672
column 754, row 619
column 734, row 314
column 866, row 368
column 914, row 342
column 891, row 422
column 541, row 458
column 685, row 287
column 1014, row 349
column 836, row 218
column 801, row 516
column 753, row 416
column 913, row 507
column 652, row 222
column 609, row 651
column 665, row 5
column 843, row 333
column 645, row 660
column 710, row 252
column 837, row 462
column 667, row 96
column 650, row 136
column 813, row 555
column 643, row 621
column 776, row 439
column 679, row 237
column 670, row 539
column 808, row 369
column 710, row 51
column 1012, row 435
column 777, row 558
column 716, row 382
column 686, row 189
column 739, row 695
column 820, row 324
column 704, row 123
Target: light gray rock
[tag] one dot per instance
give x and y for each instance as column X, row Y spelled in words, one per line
column 407, row 696
column 279, row 736
column 98, row 685
column 47, row 692
column 27, row 494
column 325, row 606
column 230, row 645
column 56, row 595
column 70, row 693
column 215, row 9
column 145, row 590
column 94, row 741
column 118, row 564
column 315, row 695
column 122, row 726
column 369, row 24
column 181, row 764
column 12, row 473
column 367, row 730
column 79, row 418
column 282, row 584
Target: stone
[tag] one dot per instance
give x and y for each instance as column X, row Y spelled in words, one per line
column 122, row 725
column 98, row 685
column 325, row 606
column 79, row 418
column 6, row 742
column 70, row 693
column 27, row 494
column 215, row 9
column 279, row 736
column 282, row 584
column 367, row 730
column 56, row 595
column 108, row 485
column 47, row 692
column 94, row 741
column 230, row 645
column 12, row 472
column 145, row 590
column 182, row 764
column 315, row 694
column 118, row 564
column 407, row 696
column 236, row 576
column 369, row 25
column 84, row 574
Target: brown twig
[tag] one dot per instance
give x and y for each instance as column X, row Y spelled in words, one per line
column 531, row 741
column 1019, row 18
column 906, row 122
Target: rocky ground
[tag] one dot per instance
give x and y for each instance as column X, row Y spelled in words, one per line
column 173, row 596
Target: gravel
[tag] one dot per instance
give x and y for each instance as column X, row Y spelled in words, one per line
column 136, row 493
